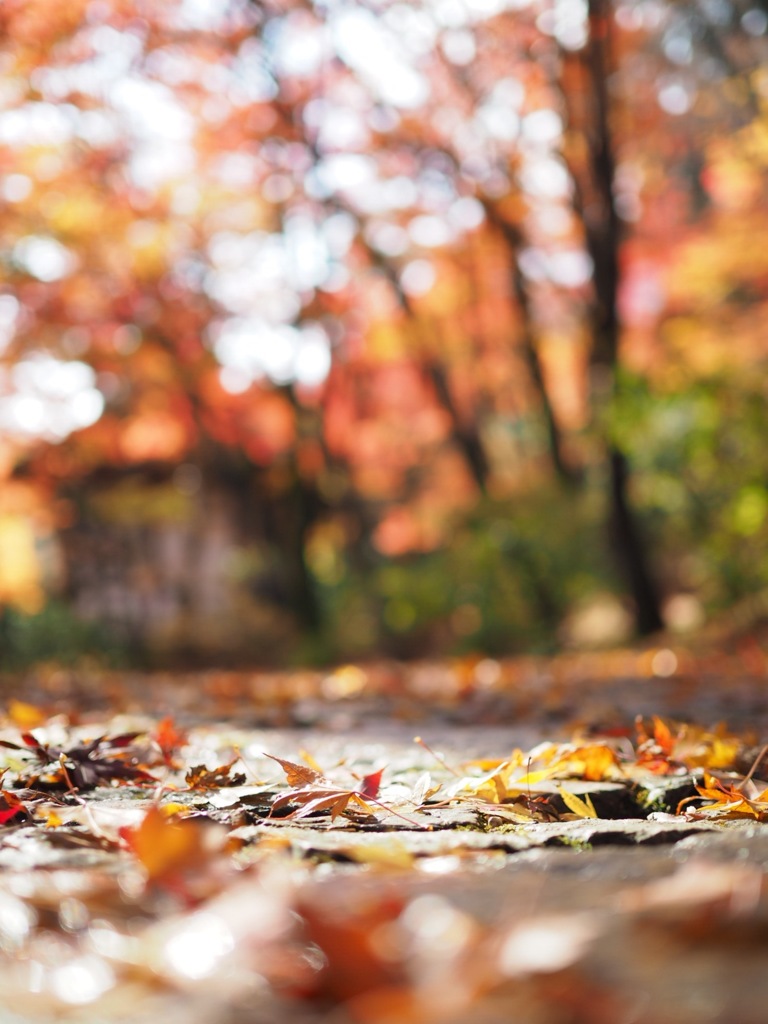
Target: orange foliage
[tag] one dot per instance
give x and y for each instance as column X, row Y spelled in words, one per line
column 452, row 285
column 155, row 434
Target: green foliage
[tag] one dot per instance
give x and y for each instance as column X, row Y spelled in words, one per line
column 701, row 480
column 54, row 635
column 132, row 502
column 503, row 582
column 577, row 845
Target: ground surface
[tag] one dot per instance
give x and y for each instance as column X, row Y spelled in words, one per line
column 259, row 847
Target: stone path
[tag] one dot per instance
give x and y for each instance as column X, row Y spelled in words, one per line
column 456, row 914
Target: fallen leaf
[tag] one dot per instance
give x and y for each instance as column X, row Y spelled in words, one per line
column 582, row 808
column 727, row 800
column 312, row 792
column 23, row 715
column 82, row 766
column 163, row 846
column 297, row 774
column 308, row 759
column 200, row 777
column 170, row 740
column 371, row 784
column 317, row 798
column 10, row 806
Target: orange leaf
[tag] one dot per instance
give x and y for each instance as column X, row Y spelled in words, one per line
column 169, row 739
column 164, row 846
column 662, row 734
column 599, row 761
column 25, row 716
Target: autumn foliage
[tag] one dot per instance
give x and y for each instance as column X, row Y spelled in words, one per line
column 381, row 326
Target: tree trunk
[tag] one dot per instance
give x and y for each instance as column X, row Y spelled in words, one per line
column 300, row 512
column 630, row 548
column 603, row 237
column 465, row 436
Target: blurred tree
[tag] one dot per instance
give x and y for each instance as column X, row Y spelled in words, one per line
column 349, row 269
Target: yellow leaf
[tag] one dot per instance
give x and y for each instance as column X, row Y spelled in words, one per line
column 593, row 762
column 390, row 855
column 307, row 758
column 714, row 752
column 532, row 778
column 25, row 716
column 486, row 764
column 168, row 810
column 583, row 808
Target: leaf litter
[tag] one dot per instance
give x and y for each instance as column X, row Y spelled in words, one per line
column 166, row 864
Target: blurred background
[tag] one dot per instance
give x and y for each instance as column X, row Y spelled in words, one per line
column 336, row 329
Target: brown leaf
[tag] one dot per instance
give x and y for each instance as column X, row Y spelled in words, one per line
column 83, row 766
column 297, row 774
column 200, row 777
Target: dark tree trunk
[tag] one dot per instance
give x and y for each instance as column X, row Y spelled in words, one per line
column 630, row 548
column 466, row 436
column 594, row 194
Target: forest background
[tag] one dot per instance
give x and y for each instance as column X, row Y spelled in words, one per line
column 335, row 329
